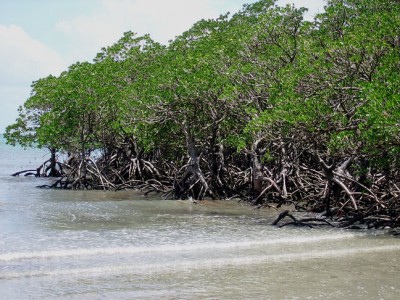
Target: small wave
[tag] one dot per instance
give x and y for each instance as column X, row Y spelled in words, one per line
column 179, row 266
column 82, row 252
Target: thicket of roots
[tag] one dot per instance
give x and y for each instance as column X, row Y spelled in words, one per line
column 346, row 191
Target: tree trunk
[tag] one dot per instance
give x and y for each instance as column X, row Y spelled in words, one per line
column 194, row 166
column 257, row 171
column 53, row 164
column 192, row 184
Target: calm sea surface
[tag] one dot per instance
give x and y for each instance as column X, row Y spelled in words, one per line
column 119, row 245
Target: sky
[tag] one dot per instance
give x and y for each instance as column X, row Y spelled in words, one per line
column 43, row 37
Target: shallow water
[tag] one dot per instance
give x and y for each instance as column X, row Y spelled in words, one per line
column 120, row 245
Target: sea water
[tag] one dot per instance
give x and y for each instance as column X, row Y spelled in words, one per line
column 57, row 244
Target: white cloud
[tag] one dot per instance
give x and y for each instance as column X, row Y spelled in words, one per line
column 167, row 19
column 23, row 59
column 314, row 6
column 163, row 20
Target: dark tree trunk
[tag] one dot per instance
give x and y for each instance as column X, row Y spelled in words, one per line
column 192, row 184
column 257, row 175
column 53, row 164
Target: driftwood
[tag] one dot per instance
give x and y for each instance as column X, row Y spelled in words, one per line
column 308, row 222
column 27, row 173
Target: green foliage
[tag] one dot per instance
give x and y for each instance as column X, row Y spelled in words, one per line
column 331, row 85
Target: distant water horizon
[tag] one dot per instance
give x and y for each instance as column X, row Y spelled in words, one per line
column 16, row 158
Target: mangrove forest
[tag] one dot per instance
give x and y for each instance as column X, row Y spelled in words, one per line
column 262, row 105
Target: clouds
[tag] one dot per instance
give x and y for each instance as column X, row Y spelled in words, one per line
column 163, row 20
column 22, row 58
column 314, row 6
column 102, row 26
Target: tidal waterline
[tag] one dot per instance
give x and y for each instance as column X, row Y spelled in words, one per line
column 120, row 245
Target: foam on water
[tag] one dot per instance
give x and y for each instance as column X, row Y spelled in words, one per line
column 187, row 265
column 60, row 253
